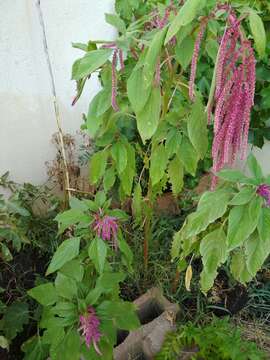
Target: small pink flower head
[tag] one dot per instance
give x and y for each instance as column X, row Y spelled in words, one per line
column 106, row 227
column 264, row 191
column 89, row 326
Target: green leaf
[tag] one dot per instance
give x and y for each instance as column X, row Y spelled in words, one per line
column 248, row 217
column 239, row 267
column 71, row 217
column 14, row 319
column 173, row 141
column 148, row 118
column 98, row 165
column 213, row 250
column 127, row 176
column 264, row 225
column 15, row 208
column 100, row 104
column 97, row 252
column 109, row 179
column 138, row 89
column 158, row 163
column 243, row 196
column 34, row 349
column 90, row 63
column 73, row 269
column 256, row 251
column 126, row 251
column 70, row 346
column 121, row 312
column 176, row 175
column 109, row 282
column 5, row 253
column 119, row 155
column 197, row 128
column 186, row 14
column 152, row 55
column 212, row 49
column 116, row 21
column 254, row 167
column 184, row 52
column 45, row 294
column 231, row 175
column 188, row 156
column 67, row 251
column 258, row 32
column 211, row 207
column 137, row 203
column 65, row 286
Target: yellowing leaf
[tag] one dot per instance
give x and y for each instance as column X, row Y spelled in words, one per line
column 188, row 277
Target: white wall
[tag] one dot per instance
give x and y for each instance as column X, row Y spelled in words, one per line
column 27, row 119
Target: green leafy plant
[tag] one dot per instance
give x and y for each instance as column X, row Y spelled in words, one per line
column 218, row 340
column 230, row 224
column 83, row 302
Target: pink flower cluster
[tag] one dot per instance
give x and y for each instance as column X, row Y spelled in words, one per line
column 264, row 191
column 234, row 92
column 89, row 326
column 106, row 227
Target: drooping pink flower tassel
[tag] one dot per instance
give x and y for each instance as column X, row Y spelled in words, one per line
column 114, row 81
column 89, row 326
column 195, row 58
column 106, row 227
column 264, row 191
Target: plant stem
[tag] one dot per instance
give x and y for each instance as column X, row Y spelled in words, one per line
column 148, row 224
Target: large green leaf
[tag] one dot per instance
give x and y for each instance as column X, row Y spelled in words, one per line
column 65, row 286
column 122, row 312
column 176, row 175
column 184, row 51
column 213, row 250
column 98, row 165
column 264, row 224
column 73, row 269
column 197, row 128
column 243, row 196
column 245, row 215
column 137, row 204
column 152, row 55
column 97, row 252
column 45, row 294
column 239, row 267
column 127, row 176
column 109, row 178
column 158, row 163
column 119, row 154
column 35, row 349
column 138, row 89
column 70, row 346
column 254, row 167
column 67, row 251
column 116, row 21
column 211, row 207
column 71, row 217
column 186, row 14
column 258, row 32
column 100, row 104
column 89, row 63
column 188, row 156
column 231, row 175
column 148, row 117
column 256, row 251
column 15, row 317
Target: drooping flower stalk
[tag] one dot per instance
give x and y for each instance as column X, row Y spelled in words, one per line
column 264, row 191
column 121, row 59
column 89, row 326
column 233, row 95
column 195, row 58
column 114, row 81
column 157, row 74
column 106, row 227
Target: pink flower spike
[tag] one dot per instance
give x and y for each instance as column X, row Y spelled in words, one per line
column 106, row 227
column 195, row 58
column 89, row 327
column 114, row 81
